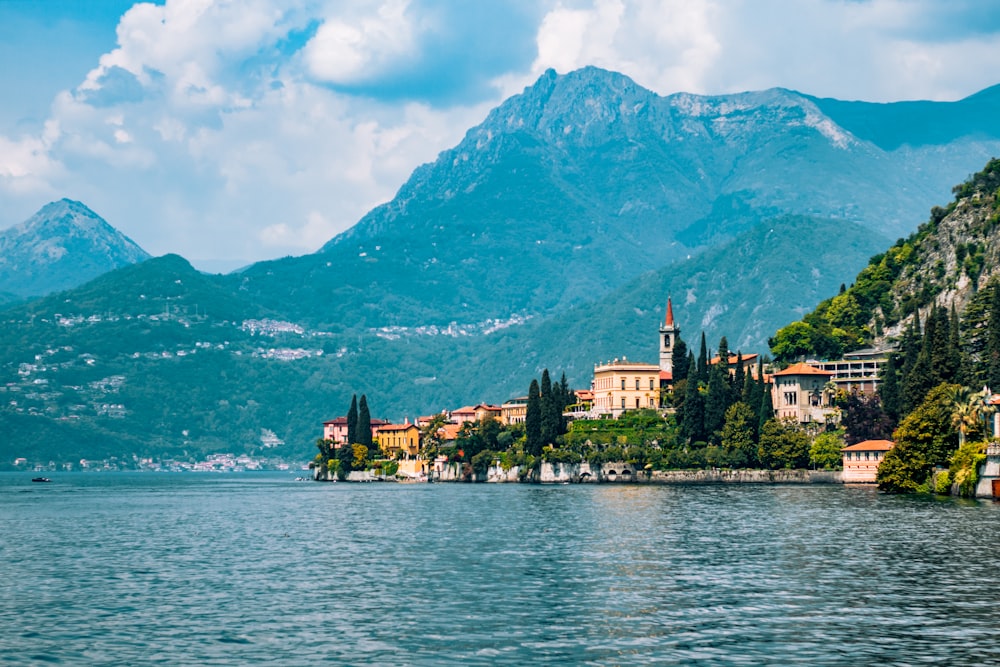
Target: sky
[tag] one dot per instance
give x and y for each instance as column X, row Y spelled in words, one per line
column 231, row 131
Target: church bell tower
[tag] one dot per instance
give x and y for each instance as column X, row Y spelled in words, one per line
column 668, row 337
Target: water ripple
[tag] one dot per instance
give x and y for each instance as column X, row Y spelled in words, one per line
column 206, row 570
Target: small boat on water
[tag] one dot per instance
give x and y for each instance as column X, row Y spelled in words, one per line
column 40, row 479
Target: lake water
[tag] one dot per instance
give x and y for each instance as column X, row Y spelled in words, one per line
column 189, row 569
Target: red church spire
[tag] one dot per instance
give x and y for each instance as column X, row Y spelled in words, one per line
column 670, row 314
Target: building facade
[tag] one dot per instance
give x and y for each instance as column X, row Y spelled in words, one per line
column 800, row 392
column 622, row 385
column 399, row 441
column 861, row 461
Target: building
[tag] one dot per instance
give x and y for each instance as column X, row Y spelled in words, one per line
column 800, row 392
column 399, row 441
column 336, row 429
column 861, row 461
column 475, row 413
column 668, row 338
column 622, row 385
column 514, row 410
column 857, row 371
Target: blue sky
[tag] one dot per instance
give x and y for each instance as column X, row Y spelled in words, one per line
column 251, row 129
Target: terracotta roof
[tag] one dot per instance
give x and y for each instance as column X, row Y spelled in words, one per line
column 449, row 431
column 994, row 399
column 584, row 394
column 802, row 369
column 870, row 446
column 666, row 375
column 338, row 420
column 670, row 314
column 733, row 359
column 396, row 427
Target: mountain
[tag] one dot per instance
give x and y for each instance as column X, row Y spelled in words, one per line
column 949, row 261
column 586, row 180
column 551, row 236
column 63, row 245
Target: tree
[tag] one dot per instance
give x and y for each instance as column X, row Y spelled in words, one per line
column 738, row 435
column 702, row 361
column 888, row 389
column 352, row 420
column 345, row 455
column 992, row 351
column 693, row 422
column 430, row 437
column 783, row 445
column 925, row 438
column 766, row 412
column 863, row 418
column 551, row 410
column 533, row 421
column 679, row 360
column 716, row 401
column 364, row 423
column 967, row 412
column 825, row 450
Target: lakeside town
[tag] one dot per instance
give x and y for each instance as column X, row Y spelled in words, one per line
column 802, row 403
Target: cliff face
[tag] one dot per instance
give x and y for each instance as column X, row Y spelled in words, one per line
column 948, row 261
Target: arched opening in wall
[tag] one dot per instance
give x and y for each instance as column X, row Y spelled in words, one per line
column 612, row 474
column 626, row 473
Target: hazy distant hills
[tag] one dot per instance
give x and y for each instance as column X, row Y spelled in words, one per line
column 550, row 236
column 63, row 245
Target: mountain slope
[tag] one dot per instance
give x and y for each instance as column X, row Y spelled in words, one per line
column 586, row 180
column 947, row 261
column 63, row 245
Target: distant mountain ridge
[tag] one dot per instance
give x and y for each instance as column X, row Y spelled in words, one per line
column 587, row 180
column 63, row 245
column 549, row 237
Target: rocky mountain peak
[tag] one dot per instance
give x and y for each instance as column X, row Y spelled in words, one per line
column 63, row 245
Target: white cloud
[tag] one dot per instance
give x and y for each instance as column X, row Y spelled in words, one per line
column 223, row 129
column 350, row 51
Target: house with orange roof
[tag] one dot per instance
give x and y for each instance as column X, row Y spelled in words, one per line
column 336, row 429
column 861, row 460
column 800, row 392
column 399, row 441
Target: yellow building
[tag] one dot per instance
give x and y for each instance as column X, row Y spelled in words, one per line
column 514, row 410
column 625, row 385
column 399, row 441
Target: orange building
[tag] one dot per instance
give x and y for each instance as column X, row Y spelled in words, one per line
column 399, row 440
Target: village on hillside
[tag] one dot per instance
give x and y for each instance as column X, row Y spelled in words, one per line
column 806, row 397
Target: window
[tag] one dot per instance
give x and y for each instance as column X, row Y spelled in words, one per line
column 623, row 383
column 651, row 387
column 637, row 384
column 623, row 400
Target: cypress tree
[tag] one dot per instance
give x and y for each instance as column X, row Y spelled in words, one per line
column 766, row 409
column 702, row 375
column 364, row 423
column 533, row 421
column 888, row 389
column 738, row 381
column 943, row 368
column 551, row 412
column 716, row 401
column 679, row 360
column 992, row 352
column 724, row 358
column 693, row 423
column 352, row 421
column 920, row 378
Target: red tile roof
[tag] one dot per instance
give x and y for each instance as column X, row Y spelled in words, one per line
column 870, row 446
column 670, row 314
column 803, row 369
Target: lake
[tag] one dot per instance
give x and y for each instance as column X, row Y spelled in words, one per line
column 203, row 569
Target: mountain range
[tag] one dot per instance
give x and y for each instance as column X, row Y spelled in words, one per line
column 550, row 236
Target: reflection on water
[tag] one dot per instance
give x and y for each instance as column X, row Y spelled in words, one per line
column 229, row 570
